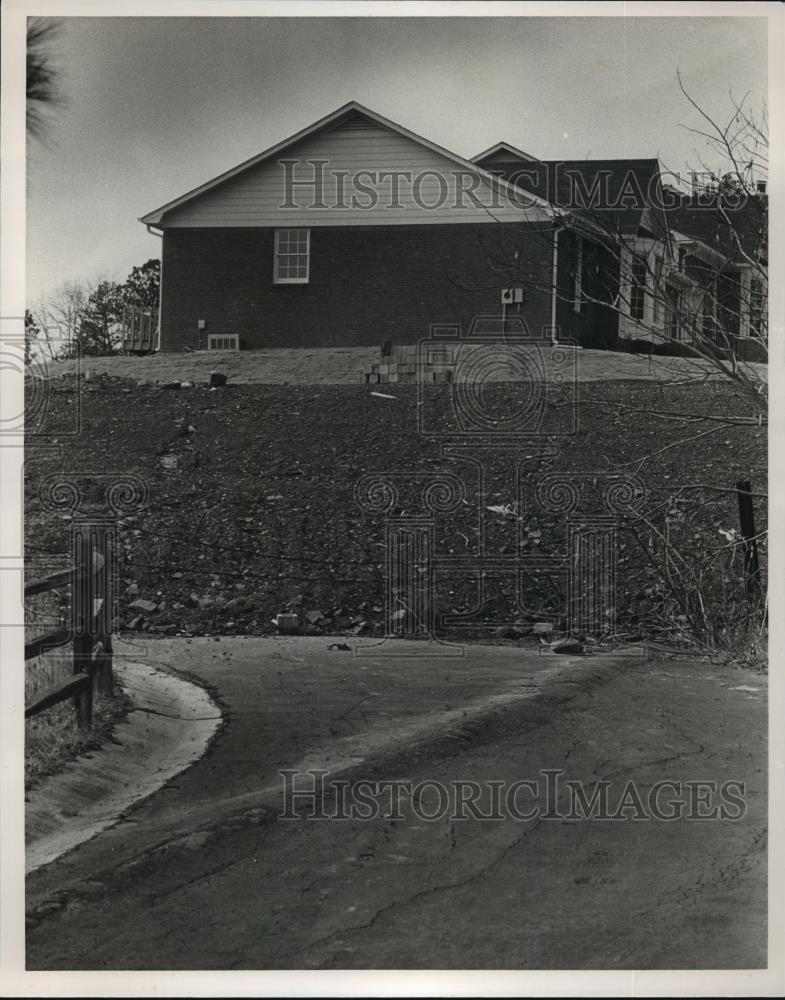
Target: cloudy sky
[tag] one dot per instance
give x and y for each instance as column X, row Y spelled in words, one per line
column 154, row 106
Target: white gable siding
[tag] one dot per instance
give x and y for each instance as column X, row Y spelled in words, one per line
column 504, row 156
column 256, row 196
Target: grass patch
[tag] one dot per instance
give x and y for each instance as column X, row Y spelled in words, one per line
column 53, row 738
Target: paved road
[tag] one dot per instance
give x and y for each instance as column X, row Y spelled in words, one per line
column 228, row 887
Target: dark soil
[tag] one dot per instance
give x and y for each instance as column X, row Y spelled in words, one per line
column 251, row 504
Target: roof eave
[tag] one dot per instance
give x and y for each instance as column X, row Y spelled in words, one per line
column 156, row 217
column 507, row 147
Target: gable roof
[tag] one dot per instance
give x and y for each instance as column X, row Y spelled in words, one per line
column 502, row 147
column 620, row 195
column 352, row 112
column 737, row 229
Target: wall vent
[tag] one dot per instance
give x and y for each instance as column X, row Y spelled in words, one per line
column 356, row 122
column 223, row 342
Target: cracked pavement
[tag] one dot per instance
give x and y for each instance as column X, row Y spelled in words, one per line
column 239, row 889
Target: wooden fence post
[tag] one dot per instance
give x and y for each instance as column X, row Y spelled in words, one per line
column 82, row 616
column 747, row 523
column 92, row 611
column 103, row 623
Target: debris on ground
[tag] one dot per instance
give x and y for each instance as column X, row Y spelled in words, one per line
column 315, row 547
column 568, row 647
column 286, row 621
column 542, row 628
column 142, row 605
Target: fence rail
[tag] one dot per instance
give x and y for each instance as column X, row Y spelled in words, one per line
column 90, row 633
column 140, row 329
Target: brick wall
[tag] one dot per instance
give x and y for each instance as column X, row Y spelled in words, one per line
column 367, row 284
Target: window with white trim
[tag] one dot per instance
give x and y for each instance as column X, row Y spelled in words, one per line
column 638, row 273
column 757, row 307
column 292, row 256
column 658, row 291
column 709, row 327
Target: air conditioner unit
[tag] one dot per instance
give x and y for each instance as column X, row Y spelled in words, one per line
column 223, row 342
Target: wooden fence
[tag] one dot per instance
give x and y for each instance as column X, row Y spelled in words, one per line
column 90, row 634
column 140, row 329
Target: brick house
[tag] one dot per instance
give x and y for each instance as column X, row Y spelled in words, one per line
column 352, row 232
column 721, row 242
column 356, row 231
column 615, row 240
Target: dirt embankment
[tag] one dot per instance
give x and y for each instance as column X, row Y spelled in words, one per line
column 252, row 507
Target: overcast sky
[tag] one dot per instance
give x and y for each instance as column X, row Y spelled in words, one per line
column 154, row 106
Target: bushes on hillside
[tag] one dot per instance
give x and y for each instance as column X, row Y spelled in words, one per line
column 662, row 349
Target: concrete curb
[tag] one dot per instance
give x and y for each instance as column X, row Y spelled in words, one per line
column 169, row 727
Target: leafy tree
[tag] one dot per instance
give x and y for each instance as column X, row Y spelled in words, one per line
column 63, row 310
column 32, row 332
column 99, row 330
column 87, row 319
column 42, row 80
column 142, row 286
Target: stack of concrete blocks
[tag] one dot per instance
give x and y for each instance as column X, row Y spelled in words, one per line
column 401, row 365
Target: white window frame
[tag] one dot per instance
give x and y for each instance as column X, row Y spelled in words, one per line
column 638, row 283
column 757, row 279
column 745, row 282
column 709, row 317
column 658, row 265
column 672, row 306
column 277, row 279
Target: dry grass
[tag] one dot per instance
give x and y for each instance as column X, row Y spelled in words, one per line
column 53, row 738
